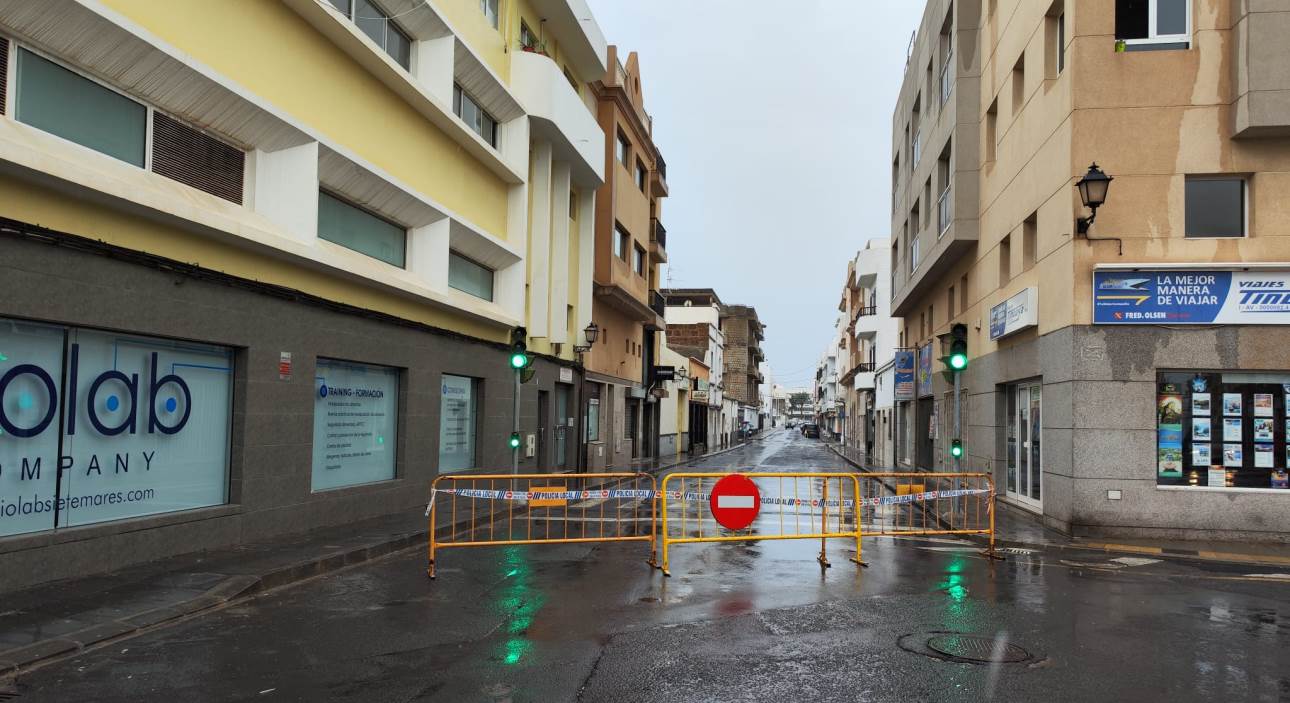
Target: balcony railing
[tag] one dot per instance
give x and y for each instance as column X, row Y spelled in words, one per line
column 662, row 167
column 657, row 304
column 867, row 310
column 944, row 211
column 864, row 367
column 660, row 233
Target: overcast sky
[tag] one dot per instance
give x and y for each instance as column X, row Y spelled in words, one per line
column 775, row 120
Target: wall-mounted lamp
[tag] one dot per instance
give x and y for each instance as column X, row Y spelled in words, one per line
column 591, row 334
column 1092, row 192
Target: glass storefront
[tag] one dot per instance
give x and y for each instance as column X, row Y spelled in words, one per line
column 98, row 426
column 1222, row 429
column 356, row 410
column 458, row 423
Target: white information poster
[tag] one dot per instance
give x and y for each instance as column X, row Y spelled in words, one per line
column 355, row 423
column 457, row 424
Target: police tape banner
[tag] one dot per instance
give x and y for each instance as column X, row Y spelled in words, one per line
column 607, row 494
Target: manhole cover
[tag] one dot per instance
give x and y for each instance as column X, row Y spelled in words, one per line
column 977, row 649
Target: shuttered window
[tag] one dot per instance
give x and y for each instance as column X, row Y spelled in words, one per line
column 4, row 72
column 195, row 158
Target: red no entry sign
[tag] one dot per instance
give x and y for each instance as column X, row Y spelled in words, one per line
column 735, row 501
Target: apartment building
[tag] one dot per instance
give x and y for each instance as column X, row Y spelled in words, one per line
column 260, row 262
column 868, row 342
column 743, row 378
column 695, row 329
column 630, row 243
column 1127, row 371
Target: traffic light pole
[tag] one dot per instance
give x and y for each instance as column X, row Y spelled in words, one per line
column 958, row 414
column 515, row 451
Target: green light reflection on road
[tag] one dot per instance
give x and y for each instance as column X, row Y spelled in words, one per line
column 517, row 602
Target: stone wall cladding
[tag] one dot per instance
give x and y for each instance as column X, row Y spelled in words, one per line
column 272, row 442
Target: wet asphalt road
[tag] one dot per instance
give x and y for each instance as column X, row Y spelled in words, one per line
column 736, row 622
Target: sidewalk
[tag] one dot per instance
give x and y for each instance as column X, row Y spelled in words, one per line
column 65, row 617
column 1020, row 529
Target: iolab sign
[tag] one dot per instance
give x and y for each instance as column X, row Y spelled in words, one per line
column 1191, row 297
column 99, row 426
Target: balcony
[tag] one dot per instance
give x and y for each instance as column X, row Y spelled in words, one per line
column 558, row 115
column 658, row 242
column 658, row 177
column 657, row 303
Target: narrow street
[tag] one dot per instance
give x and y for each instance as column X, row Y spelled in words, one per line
column 737, row 621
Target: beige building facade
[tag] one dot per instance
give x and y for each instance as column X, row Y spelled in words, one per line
column 1127, row 376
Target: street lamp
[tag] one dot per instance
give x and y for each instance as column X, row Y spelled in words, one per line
column 591, row 334
column 1092, row 192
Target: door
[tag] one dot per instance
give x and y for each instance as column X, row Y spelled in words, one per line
column 1025, row 445
column 563, row 426
column 544, row 422
column 923, row 434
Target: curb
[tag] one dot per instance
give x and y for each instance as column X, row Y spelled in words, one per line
column 230, row 589
column 1113, row 548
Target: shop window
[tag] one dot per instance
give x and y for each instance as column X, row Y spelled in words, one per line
column 355, row 228
column 469, row 277
column 1215, row 207
column 141, row 425
column 63, row 103
column 458, row 423
column 356, row 412
column 1222, row 429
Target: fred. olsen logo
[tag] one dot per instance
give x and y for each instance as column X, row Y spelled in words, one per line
column 111, row 404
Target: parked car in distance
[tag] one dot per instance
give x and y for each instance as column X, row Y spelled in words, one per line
column 790, row 424
column 811, row 430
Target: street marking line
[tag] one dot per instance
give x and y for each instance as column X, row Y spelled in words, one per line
column 1135, row 561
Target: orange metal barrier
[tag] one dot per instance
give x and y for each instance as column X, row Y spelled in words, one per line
column 805, row 505
column 486, row 510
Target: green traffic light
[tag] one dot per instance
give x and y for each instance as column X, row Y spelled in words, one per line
column 515, row 440
column 958, row 362
column 519, row 360
column 956, row 449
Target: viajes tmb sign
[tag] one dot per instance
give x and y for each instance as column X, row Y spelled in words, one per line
column 1191, row 297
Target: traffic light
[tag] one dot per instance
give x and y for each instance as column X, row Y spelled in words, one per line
column 515, row 440
column 519, row 358
column 956, row 448
column 958, row 347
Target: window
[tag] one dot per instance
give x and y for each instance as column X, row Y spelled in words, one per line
column 355, row 228
column 489, row 8
column 148, row 434
column 1019, row 84
column 1055, row 40
column 991, row 130
column 482, row 123
column 640, row 176
column 913, row 253
column 1153, row 24
column 469, row 277
column 377, row 25
column 528, row 39
column 58, row 101
column 1215, row 207
column 963, row 294
column 573, row 204
column 1222, row 429
column 949, row 302
column 349, row 451
column 1005, row 260
column 638, row 260
column 624, row 149
column 568, row 76
column 458, row 422
column 1029, row 230
column 621, row 239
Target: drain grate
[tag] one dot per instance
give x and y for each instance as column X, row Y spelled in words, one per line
column 977, row 649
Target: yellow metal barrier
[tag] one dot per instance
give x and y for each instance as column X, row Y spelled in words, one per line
column 488, row 510
column 805, row 505
column 928, row 503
